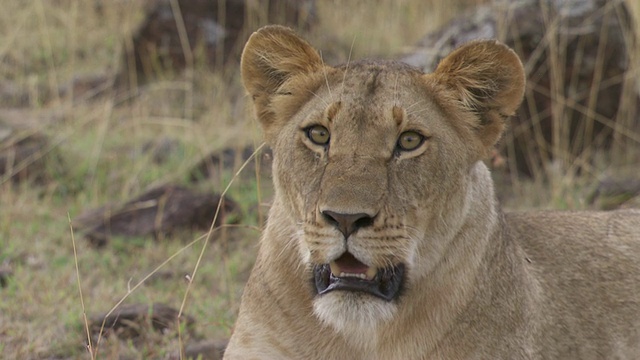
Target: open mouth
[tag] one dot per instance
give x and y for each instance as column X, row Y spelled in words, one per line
column 349, row 274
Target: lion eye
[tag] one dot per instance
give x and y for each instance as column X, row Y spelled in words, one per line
column 318, row 134
column 409, row 140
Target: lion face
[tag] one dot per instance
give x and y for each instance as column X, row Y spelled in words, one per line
column 359, row 167
column 372, row 162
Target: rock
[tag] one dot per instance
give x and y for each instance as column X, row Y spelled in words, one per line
column 5, row 274
column 79, row 89
column 21, row 157
column 161, row 149
column 26, row 153
column 133, row 320
column 218, row 28
column 83, row 88
column 576, row 53
column 206, row 350
column 158, row 212
column 230, row 159
column 615, row 193
column 12, row 94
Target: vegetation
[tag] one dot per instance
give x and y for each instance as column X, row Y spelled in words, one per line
column 58, row 280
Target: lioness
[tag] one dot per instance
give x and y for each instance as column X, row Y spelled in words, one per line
column 385, row 240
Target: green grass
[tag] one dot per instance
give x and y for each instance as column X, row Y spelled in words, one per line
column 44, row 45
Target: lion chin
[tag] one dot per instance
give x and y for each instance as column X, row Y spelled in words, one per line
column 356, row 315
column 355, row 298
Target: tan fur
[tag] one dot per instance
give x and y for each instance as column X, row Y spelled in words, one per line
column 480, row 284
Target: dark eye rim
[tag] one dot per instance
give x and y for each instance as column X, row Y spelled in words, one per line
column 422, row 138
column 307, row 130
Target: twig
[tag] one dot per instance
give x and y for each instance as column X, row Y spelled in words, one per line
column 84, row 312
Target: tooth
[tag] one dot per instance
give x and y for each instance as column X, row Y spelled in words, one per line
column 371, row 273
column 335, row 269
column 359, row 276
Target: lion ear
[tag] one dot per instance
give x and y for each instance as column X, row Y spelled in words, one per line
column 488, row 79
column 273, row 55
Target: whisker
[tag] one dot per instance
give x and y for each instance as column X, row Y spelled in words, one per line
column 319, row 97
column 395, row 91
column 417, row 112
column 414, row 104
column 326, row 78
column 346, row 70
column 288, row 247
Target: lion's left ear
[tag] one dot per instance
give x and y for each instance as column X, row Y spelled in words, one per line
column 488, row 79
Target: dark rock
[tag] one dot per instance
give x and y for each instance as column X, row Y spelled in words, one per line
column 615, row 193
column 206, row 350
column 80, row 88
column 231, row 159
column 21, row 155
column 26, row 154
column 576, row 55
column 219, row 28
column 133, row 320
column 161, row 149
column 86, row 87
column 5, row 274
column 158, row 212
column 12, row 94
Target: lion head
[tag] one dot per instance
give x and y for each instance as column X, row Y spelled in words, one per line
column 377, row 165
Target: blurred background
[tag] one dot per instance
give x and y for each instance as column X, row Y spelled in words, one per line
column 134, row 183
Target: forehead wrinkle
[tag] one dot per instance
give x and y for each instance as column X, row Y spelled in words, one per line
column 357, row 127
column 366, row 114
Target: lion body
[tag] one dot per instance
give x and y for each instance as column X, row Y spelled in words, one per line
column 394, row 178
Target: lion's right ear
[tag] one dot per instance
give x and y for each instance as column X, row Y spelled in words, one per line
column 488, row 80
column 273, row 55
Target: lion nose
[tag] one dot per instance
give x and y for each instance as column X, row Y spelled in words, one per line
column 347, row 223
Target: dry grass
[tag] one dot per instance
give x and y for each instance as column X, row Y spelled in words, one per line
column 44, row 46
column 566, row 181
column 382, row 28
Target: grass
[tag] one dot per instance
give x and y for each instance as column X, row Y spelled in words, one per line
column 44, row 46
